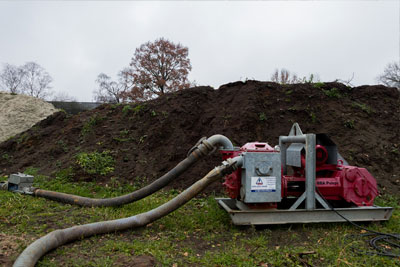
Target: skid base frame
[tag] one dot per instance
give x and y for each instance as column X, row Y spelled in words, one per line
column 275, row 216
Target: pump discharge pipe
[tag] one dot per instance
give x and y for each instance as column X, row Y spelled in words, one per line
column 54, row 239
column 203, row 148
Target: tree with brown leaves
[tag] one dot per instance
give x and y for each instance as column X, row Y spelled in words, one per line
column 157, row 68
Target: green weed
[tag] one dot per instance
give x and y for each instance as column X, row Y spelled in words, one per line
column 123, row 136
column 318, row 85
column 142, row 139
column 21, row 138
column 114, row 106
column 333, row 92
column 364, row 107
column 6, row 157
column 95, row 162
column 138, row 108
column 313, row 117
column 288, row 92
column 126, row 109
column 349, row 124
column 88, row 126
column 63, row 145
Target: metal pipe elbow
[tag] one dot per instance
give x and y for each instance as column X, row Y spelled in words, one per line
column 219, row 139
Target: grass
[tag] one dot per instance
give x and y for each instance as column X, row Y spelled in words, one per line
column 198, row 234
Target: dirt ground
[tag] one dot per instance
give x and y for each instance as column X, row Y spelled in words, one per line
column 148, row 139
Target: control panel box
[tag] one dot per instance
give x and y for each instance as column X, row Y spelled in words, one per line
column 261, row 177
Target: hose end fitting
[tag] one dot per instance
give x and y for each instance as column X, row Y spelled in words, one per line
column 203, row 147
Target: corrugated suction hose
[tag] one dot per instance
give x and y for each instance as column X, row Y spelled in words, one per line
column 203, row 147
column 54, row 239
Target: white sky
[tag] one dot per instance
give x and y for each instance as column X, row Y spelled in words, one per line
column 227, row 40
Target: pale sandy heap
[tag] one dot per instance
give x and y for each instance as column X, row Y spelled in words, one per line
column 18, row 113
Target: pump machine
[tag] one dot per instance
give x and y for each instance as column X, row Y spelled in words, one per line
column 301, row 180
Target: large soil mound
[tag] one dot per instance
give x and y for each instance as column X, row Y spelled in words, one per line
column 18, row 113
column 148, row 139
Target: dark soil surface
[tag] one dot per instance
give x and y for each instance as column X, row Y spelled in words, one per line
column 148, row 139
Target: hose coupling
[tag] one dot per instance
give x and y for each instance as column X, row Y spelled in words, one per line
column 203, row 146
column 231, row 164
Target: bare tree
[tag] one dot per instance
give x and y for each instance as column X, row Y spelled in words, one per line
column 391, row 75
column 158, row 67
column 36, row 81
column 284, row 77
column 110, row 91
column 11, row 77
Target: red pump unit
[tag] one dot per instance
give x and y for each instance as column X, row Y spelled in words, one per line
column 337, row 182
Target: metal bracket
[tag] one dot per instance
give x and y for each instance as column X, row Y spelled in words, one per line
column 303, row 197
column 295, row 130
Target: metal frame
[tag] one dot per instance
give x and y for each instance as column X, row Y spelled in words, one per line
column 310, row 195
column 241, row 216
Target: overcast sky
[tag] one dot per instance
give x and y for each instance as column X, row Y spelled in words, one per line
column 227, row 40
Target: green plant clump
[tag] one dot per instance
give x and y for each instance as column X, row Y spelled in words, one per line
column 363, row 107
column 138, row 108
column 334, row 93
column 95, row 162
column 313, row 117
column 349, row 124
column 88, row 126
column 126, row 109
column 153, row 113
column 262, row 116
column 123, row 136
column 318, row 85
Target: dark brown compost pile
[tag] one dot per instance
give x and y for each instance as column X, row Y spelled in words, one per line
column 148, row 139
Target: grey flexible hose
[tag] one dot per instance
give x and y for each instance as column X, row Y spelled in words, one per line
column 203, row 149
column 54, row 239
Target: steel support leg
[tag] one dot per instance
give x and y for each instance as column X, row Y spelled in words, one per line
column 310, row 171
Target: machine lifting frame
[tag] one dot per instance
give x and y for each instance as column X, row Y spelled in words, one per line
column 241, row 215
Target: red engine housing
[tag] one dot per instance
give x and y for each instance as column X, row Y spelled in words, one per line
column 335, row 182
